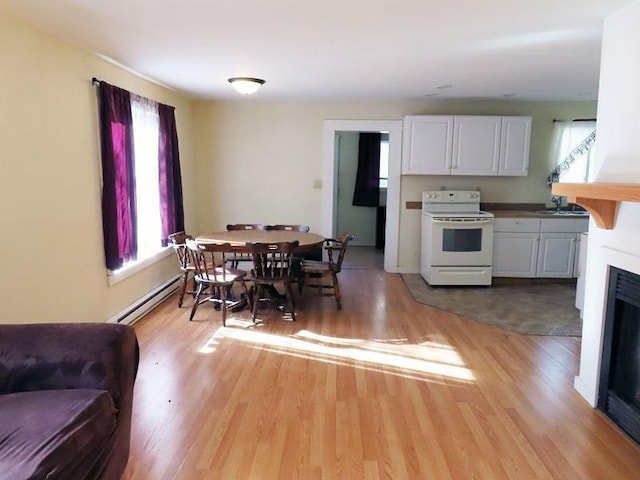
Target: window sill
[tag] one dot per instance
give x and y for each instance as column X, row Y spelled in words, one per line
column 124, row 273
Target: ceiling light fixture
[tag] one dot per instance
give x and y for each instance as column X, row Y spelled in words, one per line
column 246, row 85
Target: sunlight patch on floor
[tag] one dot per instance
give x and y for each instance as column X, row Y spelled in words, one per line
column 430, row 359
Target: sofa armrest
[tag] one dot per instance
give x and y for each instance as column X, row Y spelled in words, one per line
column 51, row 356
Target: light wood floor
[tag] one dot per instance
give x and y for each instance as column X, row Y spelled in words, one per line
column 386, row 388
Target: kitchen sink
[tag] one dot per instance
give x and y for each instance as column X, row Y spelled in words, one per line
column 563, row 212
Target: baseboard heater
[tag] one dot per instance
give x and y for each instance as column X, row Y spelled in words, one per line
column 144, row 305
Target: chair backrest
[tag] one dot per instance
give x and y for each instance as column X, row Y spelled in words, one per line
column 290, row 228
column 246, row 226
column 206, row 257
column 338, row 245
column 272, row 260
column 178, row 241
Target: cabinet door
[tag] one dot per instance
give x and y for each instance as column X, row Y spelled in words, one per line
column 476, row 145
column 515, row 254
column 514, row 146
column 427, row 145
column 556, row 256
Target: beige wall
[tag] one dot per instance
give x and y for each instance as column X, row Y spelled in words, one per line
column 258, row 160
column 52, row 251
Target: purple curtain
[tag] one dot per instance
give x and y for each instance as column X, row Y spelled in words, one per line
column 171, row 209
column 118, row 190
column 367, row 188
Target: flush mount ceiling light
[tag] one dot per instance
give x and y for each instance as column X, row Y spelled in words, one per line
column 246, row 85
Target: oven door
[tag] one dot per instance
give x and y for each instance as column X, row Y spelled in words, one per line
column 461, row 241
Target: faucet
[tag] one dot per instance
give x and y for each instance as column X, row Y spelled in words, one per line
column 557, row 201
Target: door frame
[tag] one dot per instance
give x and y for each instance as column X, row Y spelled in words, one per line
column 330, row 173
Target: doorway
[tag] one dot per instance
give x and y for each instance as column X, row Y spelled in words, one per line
column 332, row 128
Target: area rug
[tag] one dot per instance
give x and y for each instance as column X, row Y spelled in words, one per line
column 528, row 307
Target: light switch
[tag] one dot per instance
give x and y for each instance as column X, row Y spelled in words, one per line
column 317, row 184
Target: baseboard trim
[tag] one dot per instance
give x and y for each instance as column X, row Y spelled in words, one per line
column 144, row 305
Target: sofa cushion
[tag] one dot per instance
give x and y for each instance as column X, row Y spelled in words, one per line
column 54, row 434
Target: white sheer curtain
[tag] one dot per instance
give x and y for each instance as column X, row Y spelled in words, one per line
column 573, row 148
column 145, row 140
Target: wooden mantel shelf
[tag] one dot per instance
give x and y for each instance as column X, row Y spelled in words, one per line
column 600, row 199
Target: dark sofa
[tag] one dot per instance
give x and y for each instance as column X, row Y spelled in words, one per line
column 66, row 395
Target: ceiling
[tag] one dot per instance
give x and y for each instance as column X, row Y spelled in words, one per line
column 343, row 49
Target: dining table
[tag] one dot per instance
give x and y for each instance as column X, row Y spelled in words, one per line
column 309, row 244
column 237, row 239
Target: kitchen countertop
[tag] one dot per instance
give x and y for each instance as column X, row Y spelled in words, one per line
column 533, row 214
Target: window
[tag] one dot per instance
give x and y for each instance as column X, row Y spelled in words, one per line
column 141, row 191
column 384, row 160
column 573, row 150
column 145, row 142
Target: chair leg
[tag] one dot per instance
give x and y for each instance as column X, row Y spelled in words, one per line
column 196, row 301
column 194, row 288
column 256, row 301
column 291, row 301
column 301, row 290
column 223, row 299
column 246, row 294
column 336, row 290
column 183, row 289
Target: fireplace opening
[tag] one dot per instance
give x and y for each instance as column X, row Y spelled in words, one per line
column 619, row 389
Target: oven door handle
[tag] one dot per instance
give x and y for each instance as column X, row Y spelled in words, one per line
column 463, row 221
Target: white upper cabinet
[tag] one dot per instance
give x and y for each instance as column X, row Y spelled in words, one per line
column 426, row 146
column 465, row 145
column 476, row 145
column 514, row 146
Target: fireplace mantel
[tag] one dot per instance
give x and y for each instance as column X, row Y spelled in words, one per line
column 600, row 199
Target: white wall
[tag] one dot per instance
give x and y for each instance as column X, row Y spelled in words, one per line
column 617, row 160
column 52, row 252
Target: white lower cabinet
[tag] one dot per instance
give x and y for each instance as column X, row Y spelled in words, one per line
column 515, row 254
column 556, row 255
column 533, row 247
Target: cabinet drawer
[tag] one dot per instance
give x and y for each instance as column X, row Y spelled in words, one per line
column 516, row 225
column 564, row 225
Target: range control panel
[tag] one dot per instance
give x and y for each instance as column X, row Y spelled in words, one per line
column 451, row 196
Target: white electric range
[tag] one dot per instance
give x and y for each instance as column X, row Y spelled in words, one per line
column 457, row 238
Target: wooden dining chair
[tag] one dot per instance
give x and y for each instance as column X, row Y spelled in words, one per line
column 212, row 272
column 290, row 228
column 234, row 259
column 272, row 266
column 246, row 226
column 178, row 241
column 324, row 275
